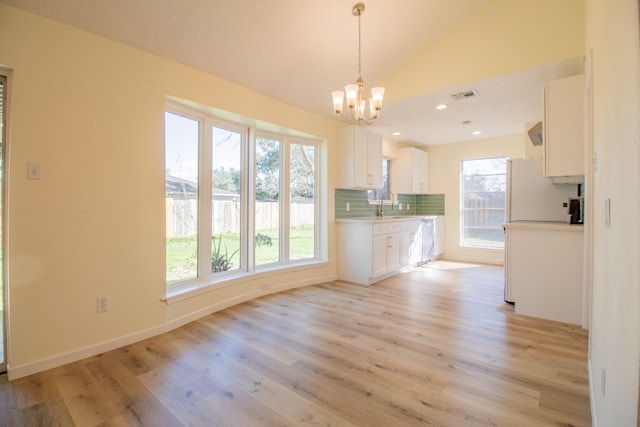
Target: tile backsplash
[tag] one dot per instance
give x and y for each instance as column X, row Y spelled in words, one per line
column 423, row 204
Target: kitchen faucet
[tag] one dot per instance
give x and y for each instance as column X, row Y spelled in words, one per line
column 380, row 211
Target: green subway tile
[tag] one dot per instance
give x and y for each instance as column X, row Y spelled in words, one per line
column 429, row 204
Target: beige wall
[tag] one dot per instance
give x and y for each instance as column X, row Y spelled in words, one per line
column 501, row 37
column 92, row 113
column 444, row 178
column 613, row 44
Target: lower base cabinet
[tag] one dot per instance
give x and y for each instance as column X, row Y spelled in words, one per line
column 543, row 271
column 372, row 250
column 438, row 247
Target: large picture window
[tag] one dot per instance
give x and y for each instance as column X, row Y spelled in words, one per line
column 483, row 191
column 257, row 209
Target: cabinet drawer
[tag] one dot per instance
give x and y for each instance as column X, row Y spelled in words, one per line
column 386, row 227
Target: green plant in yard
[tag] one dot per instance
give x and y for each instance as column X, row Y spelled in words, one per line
column 220, row 261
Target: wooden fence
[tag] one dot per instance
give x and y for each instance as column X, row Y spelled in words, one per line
column 182, row 216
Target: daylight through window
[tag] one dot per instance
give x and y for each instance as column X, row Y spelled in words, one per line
column 258, row 208
column 483, row 191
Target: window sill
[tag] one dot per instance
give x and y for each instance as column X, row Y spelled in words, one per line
column 193, row 289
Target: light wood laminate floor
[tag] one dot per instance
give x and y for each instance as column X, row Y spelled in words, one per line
column 432, row 346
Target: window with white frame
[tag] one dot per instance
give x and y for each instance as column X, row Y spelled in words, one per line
column 385, row 192
column 483, row 198
column 257, row 209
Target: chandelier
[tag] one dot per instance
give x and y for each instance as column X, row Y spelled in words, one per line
column 354, row 92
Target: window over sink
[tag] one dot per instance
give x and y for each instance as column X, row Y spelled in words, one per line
column 383, row 193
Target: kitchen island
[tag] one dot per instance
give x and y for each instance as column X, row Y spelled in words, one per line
column 543, row 270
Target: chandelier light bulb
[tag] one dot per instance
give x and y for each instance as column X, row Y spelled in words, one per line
column 338, row 100
column 377, row 93
column 352, row 94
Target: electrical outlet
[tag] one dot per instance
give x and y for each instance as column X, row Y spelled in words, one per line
column 408, row 206
column 103, row 304
column 399, row 206
column 347, row 207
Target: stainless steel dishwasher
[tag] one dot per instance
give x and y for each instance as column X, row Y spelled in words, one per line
column 428, row 231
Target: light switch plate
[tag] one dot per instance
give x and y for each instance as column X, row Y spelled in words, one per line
column 33, row 170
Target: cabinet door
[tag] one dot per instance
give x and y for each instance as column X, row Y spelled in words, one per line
column 394, row 251
column 359, row 158
column 374, row 160
column 564, row 127
column 411, row 249
column 438, row 242
column 412, row 171
column 419, row 167
column 360, row 155
column 379, row 258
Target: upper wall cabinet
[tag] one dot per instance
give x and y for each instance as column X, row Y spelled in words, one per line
column 412, row 171
column 564, row 127
column 359, row 158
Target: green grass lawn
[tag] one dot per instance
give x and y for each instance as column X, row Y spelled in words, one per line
column 181, row 251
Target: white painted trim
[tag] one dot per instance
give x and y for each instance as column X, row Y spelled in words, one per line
column 15, row 372
column 594, row 417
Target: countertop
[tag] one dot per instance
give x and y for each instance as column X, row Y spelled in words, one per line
column 543, row 225
column 389, row 218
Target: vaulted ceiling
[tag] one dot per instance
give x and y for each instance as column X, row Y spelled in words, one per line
column 299, row 51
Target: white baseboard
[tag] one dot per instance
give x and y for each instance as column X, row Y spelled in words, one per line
column 18, row 371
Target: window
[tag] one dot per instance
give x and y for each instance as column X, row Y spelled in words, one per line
column 267, row 206
column 258, row 208
column 483, row 190
column 384, row 193
column 302, row 204
column 182, row 139
column 285, row 182
column 227, row 204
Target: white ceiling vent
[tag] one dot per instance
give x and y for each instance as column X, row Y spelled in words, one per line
column 467, row 94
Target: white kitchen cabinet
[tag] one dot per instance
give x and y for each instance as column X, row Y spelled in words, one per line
column 412, row 171
column 411, row 242
column 386, row 253
column 359, row 158
column 373, row 249
column 438, row 242
column 543, row 270
column 563, row 125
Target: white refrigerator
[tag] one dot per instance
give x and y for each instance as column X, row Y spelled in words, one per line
column 533, row 197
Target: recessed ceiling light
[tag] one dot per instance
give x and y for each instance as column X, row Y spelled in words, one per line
column 442, row 107
column 396, row 134
column 476, row 132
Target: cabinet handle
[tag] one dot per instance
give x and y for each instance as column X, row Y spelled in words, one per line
column 389, row 242
column 370, row 179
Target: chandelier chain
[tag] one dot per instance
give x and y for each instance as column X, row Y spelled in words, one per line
column 359, row 48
